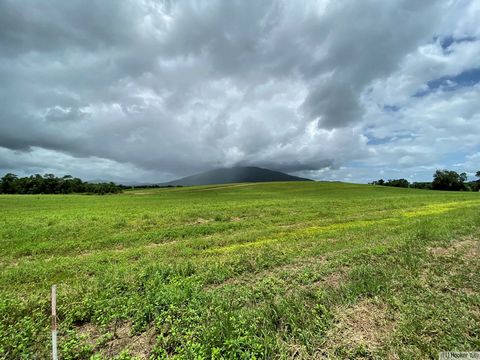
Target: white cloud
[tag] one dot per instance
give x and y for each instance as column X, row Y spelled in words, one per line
column 323, row 88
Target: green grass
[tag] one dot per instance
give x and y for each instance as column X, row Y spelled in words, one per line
column 277, row 270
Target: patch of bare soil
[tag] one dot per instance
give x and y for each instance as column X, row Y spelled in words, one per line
column 366, row 324
column 469, row 248
column 297, row 352
column 200, row 221
column 90, row 333
column 138, row 346
column 334, row 279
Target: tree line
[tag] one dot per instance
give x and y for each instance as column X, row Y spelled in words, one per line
column 442, row 180
column 50, row 184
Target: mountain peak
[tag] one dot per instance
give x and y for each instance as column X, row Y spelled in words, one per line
column 237, row 174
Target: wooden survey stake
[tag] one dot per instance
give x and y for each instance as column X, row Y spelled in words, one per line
column 54, row 322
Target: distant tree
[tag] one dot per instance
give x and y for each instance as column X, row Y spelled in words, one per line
column 394, row 182
column 378, row 182
column 475, row 185
column 421, row 185
column 397, row 183
column 449, row 180
column 50, row 184
column 8, row 184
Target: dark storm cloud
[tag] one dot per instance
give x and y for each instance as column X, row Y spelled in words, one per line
column 175, row 87
column 54, row 26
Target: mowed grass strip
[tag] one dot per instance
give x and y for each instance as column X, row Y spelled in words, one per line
column 278, row 270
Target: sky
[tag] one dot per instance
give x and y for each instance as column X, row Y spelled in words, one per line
column 148, row 91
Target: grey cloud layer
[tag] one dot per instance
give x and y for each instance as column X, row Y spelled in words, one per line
column 170, row 88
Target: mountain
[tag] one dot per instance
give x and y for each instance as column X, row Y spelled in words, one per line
column 98, row 181
column 235, row 175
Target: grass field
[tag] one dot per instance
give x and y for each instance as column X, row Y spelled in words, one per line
column 277, row 270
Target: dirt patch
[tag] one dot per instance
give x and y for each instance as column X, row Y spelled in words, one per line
column 113, row 342
column 200, row 221
column 440, row 251
column 456, row 277
column 334, row 279
column 469, row 248
column 297, row 352
column 366, row 324
column 137, row 345
column 289, row 226
column 90, row 333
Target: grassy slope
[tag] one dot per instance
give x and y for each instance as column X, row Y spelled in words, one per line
column 264, row 270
